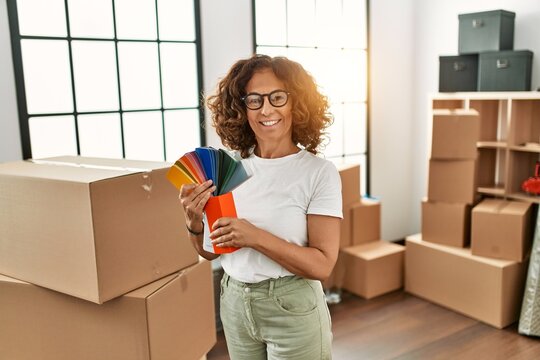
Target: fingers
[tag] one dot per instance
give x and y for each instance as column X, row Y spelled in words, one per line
column 193, row 198
column 222, row 237
column 189, row 192
column 221, row 222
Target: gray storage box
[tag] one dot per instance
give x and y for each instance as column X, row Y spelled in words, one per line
column 458, row 73
column 486, row 31
column 505, row 71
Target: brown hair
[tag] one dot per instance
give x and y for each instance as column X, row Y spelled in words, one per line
column 309, row 107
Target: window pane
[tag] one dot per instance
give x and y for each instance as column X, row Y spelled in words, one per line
column 327, row 77
column 182, row 132
column 271, row 21
column 143, row 135
column 353, row 76
column 136, row 19
column 139, row 75
column 354, row 24
column 100, row 136
column 354, row 116
column 334, row 136
column 329, row 24
column 179, row 75
column 94, row 67
column 307, row 57
column 272, row 50
column 176, row 20
column 42, row 18
column 91, row 18
column 47, row 76
column 52, row 136
column 301, row 22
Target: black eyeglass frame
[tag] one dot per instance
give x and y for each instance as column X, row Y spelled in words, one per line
column 268, row 95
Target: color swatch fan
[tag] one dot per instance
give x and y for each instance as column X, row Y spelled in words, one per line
column 206, row 163
column 226, row 173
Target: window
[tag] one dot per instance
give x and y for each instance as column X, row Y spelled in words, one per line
column 329, row 38
column 108, row 78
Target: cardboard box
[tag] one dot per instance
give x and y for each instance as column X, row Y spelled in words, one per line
column 373, row 269
column 350, row 182
column 366, row 221
column 171, row 318
column 446, row 223
column 452, row 181
column 455, row 134
column 91, row 228
column 347, row 225
column 501, row 229
column 485, row 289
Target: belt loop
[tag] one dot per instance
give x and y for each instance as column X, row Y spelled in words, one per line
column 271, row 287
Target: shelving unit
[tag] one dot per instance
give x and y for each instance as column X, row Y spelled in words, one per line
column 509, row 144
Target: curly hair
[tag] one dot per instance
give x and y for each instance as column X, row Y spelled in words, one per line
column 309, row 107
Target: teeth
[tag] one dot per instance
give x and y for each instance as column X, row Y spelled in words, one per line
column 270, row 123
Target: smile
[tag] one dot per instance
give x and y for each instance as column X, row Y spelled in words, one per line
column 270, row 122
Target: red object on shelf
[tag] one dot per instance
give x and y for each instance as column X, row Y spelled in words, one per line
column 532, row 184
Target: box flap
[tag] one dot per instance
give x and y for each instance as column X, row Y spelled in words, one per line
column 506, row 207
column 462, row 252
column 147, row 290
column 136, row 165
column 516, row 208
column 374, row 250
column 7, row 279
column 41, row 169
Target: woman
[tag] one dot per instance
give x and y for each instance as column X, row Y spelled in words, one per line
column 289, row 212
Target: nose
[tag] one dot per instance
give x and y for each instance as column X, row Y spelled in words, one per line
column 267, row 108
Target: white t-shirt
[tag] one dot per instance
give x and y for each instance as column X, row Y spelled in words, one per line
column 277, row 198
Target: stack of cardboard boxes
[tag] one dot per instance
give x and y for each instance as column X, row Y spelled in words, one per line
column 95, row 264
column 483, row 280
column 366, row 266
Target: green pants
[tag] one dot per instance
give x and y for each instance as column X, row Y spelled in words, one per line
column 285, row 318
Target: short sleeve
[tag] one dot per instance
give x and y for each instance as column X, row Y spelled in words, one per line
column 326, row 197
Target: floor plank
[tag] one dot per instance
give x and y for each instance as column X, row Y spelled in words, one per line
column 401, row 326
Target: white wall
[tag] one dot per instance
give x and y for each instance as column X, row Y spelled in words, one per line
column 392, row 58
column 436, row 33
column 10, row 139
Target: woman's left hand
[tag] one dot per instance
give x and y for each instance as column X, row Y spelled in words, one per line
column 235, row 232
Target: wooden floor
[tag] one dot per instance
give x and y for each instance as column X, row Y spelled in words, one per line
column 401, row 326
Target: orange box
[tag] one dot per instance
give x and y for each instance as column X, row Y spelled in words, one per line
column 501, row 229
column 366, row 221
column 218, row 207
column 91, row 228
column 446, row 223
column 373, row 269
column 171, row 318
column 489, row 290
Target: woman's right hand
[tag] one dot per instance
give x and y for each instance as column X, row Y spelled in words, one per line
column 193, row 198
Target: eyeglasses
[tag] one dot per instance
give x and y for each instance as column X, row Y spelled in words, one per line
column 255, row 101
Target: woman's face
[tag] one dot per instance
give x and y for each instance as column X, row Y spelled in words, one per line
column 270, row 124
